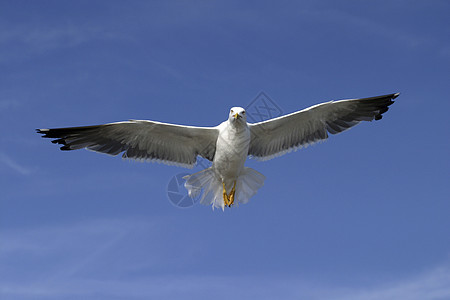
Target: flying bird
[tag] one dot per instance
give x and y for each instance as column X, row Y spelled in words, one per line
column 228, row 145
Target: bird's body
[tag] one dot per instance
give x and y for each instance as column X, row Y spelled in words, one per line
column 228, row 179
column 227, row 182
column 231, row 150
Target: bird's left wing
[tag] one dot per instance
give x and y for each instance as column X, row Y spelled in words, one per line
column 141, row 140
column 280, row 135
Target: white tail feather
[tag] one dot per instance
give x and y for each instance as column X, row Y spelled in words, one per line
column 247, row 184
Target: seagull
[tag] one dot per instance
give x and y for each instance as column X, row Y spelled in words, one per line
column 227, row 182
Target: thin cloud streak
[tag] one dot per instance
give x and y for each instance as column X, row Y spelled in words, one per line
column 9, row 162
column 42, row 39
column 85, row 256
column 432, row 285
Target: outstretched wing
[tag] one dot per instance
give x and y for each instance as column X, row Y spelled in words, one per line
column 280, row 135
column 141, row 140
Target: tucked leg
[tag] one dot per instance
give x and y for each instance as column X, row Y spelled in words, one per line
column 225, row 196
column 231, row 196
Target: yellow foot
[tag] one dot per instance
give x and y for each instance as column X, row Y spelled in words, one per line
column 225, row 196
column 231, row 196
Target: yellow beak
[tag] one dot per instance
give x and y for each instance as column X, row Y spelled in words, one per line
column 236, row 116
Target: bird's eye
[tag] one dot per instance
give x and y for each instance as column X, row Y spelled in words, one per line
column 243, row 112
column 232, row 111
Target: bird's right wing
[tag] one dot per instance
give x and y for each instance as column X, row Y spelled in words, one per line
column 141, row 140
column 280, row 135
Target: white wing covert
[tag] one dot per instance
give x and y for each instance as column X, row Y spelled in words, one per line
column 280, row 135
column 140, row 140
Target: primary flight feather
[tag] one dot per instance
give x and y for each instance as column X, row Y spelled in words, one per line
column 227, row 145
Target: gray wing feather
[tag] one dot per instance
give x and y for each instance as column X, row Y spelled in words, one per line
column 280, row 135
column 140, row 140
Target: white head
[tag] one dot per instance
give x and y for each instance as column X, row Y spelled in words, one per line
column 237, row 114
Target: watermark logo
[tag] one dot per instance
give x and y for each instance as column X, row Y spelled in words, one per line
column 177, row 194
column 262, row 108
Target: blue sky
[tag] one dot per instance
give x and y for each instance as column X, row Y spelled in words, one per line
column 364, row 215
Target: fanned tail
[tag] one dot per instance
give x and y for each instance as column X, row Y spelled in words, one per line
column 247, row 184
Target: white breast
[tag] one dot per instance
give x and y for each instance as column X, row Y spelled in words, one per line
column 231, row 151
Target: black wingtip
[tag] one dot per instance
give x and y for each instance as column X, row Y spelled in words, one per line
column 44, row 132
column 395, row 95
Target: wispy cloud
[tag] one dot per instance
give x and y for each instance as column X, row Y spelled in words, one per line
column 104, row 259
column 433, row 284
column 55, row 260
column 35, row 40
column 12, row 164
